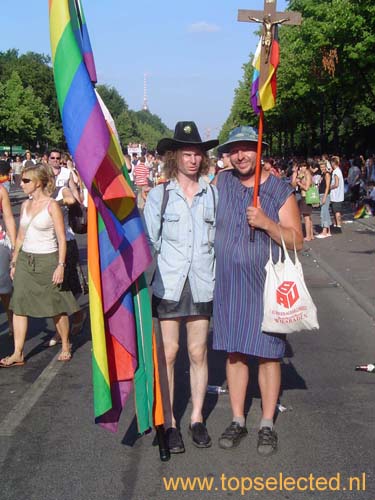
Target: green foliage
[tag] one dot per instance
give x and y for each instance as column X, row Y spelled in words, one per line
column 132, row 126
column 141, row 126
column 113, row 100
column 29, row 112
column 154, row 121
column 326, row 80
column 22, row 113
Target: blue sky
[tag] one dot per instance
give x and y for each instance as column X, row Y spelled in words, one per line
column 192, row 52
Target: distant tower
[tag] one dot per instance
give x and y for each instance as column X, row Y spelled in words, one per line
column 145, row 103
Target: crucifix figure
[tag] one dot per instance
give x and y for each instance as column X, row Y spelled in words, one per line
column 269, row 18
column 267, row 31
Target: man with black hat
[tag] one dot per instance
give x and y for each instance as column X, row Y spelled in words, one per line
column 180, row 220
column 240, row 278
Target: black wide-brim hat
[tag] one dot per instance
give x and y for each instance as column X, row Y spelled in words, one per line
column 185, row 134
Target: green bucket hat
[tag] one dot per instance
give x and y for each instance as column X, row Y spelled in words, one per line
column 243, row 133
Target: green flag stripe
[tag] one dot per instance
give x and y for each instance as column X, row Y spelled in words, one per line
column 67, row 60
column 102, row 391
column 144, row 376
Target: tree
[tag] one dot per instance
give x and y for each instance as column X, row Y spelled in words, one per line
column 326, row 89
column 29, row 110
column 115, row 103
column 127, row 128
column 22, row 114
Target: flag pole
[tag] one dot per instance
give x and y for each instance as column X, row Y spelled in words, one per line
column 258, row 167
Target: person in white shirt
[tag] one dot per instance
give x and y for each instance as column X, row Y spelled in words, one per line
column 63, row 176
column 27, row 158
column 337, row 191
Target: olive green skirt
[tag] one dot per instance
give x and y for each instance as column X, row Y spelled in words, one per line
column 34, row 294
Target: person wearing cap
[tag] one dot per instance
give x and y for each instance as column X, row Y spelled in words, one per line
column 240, row 279
column 180, row 220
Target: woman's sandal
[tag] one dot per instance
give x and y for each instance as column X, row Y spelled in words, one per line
column 64, row 356
column 6, row 363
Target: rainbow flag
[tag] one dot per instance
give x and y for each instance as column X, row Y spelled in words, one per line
column 267, row 93
column 118, row 254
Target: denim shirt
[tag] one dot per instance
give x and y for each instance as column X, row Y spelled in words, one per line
column 186, row 246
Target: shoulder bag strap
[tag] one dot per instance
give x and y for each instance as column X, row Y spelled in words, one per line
column 164, row 203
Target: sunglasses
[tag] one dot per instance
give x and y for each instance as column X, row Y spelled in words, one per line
column 26, row 181
column 55, row 157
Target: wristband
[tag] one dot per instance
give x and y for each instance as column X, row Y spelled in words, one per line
column 12, row 265
column 61, row 264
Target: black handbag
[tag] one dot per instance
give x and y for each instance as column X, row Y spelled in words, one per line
column 78, row 218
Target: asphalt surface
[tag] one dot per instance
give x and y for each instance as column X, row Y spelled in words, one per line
column 51, row 449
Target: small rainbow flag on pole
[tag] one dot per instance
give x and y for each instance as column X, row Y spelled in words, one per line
column 118, row 254
column 265, row 97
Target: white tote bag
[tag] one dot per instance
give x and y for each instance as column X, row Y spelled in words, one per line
column 288, row 306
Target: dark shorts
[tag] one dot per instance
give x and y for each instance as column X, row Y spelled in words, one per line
column 185, row 307
column 304, row 208
column 336, row 206
column 354, row 193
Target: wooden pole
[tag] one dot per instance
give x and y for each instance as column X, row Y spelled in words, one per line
column 258, row 167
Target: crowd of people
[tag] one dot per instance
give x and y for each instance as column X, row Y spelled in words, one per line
column 335, row 178
column 199, row 220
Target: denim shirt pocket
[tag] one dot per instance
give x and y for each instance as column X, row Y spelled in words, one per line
column 171, row 226
column 209, row 228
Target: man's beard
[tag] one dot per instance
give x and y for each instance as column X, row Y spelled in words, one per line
column 249, row 173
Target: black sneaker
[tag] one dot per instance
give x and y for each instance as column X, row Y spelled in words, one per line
column 232, row 436
column 174, row 440
column 199, row 435
column 267, row 441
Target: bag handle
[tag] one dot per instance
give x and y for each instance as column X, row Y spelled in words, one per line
column 286, row 253
column 271, row 257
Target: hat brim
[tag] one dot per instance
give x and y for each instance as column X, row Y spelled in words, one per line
column 169, row 144
column 226, row 147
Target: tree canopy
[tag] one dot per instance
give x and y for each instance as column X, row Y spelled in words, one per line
column 326, row 81
column 28, row 108
column 133, row 126
column 29, row 114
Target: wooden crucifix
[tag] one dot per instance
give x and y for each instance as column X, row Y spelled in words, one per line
column 268, row 18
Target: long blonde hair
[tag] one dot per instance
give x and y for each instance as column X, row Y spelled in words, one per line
column 44, row 174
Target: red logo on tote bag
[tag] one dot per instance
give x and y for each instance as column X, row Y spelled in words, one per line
column 287, row 294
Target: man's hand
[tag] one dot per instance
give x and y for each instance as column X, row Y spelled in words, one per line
column 257, row 218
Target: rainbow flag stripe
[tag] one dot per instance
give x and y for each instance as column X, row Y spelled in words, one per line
column 255, row 82
column 267, row 93
column 118, row 254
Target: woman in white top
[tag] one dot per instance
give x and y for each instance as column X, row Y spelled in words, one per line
column 38, row 264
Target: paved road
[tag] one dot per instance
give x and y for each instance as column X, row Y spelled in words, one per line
column 50, row 448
